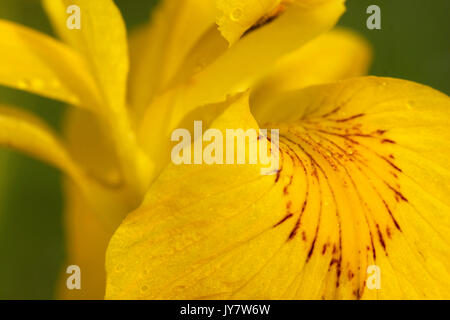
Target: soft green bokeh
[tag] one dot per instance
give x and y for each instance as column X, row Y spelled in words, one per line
column 413, row 44
column 31, row 234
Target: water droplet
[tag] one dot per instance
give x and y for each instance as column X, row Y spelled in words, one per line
column 409, row 105
column 23, row 84
column 55, row 83
column 200, row 65
column 119, row 267
column 144, row 288
column 73, row 99
column 236, row 14
column 37, row 83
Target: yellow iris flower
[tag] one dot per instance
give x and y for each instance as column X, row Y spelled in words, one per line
column 363, row 171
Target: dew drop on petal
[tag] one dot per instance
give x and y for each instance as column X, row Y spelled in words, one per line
column 119, row 267
column 144, row 288
column 74, row 99
column 23, row 84
column 409, row 105
column 236, row 14
column 55, row 84
column 37, row 83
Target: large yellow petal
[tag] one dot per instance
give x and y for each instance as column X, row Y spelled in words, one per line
column 362, row 181
column 159, row 48
column 36, row 63
column 336, row 55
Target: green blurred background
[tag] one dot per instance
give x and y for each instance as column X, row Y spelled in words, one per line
column 413, row 44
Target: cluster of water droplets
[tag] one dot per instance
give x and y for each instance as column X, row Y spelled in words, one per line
column 38, row 85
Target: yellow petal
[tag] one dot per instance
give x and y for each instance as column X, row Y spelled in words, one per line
column 36, row 63
column 91, row 216
column 158, row 49
column 236, row 69
column 87, row 240
column 251, row 57
column 102, row 40
column 24, row 132
column 362, row 182
column 236, row 17
column 101, row 26
column 239, row 67
column 92, row 147
column 103, row 188
column 159, row 149
column 336, row 55
column 87, row 232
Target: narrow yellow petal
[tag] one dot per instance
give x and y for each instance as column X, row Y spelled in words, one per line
column 159, row 48
column 237, row 17
column 101, row 40
column 251, row 57
column 24, row 132
column 362, row 182
column 336, row 55
column 158, row 150
column 87, row 240
column 36, row 63
column 91, row 145
column 238, row 68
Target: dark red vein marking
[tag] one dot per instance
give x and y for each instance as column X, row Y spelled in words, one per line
column 288, row 216
column 349, row 118
column 380, row 236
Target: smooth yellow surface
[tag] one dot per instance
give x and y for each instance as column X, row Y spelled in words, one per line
column 159, row 48
column 87, row 240
column 335, row 55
